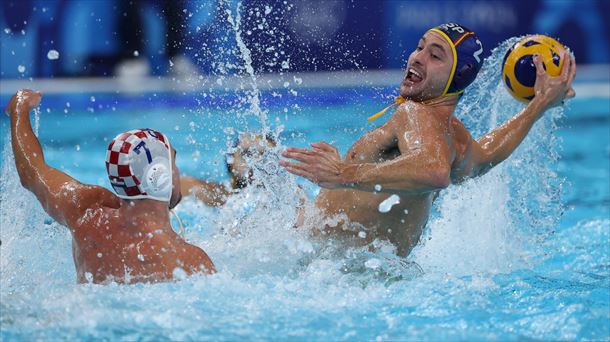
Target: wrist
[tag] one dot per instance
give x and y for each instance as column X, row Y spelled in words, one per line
column 538, row 105
column 348, row 175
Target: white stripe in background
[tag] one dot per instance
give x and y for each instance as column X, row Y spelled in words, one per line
column 591, row 81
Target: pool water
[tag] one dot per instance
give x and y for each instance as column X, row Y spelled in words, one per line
column 521, row 253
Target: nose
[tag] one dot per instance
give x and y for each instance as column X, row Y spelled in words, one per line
column 417, row 57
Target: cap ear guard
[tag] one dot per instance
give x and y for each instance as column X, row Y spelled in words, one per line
column 463, row 77
column 468, row 63
column 158, row 179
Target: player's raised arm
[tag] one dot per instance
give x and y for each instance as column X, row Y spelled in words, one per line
column 63, row 198
column 497, row 145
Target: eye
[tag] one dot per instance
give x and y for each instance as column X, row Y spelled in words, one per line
column 419, row 48
column 435, row 56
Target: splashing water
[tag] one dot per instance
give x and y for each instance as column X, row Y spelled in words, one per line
column 275, row 280
column 254, row 97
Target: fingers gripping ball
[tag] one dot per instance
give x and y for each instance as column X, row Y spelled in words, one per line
column 519, row 71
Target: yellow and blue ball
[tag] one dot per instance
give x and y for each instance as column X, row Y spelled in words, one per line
column 519, row 71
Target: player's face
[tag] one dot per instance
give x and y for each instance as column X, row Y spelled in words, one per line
column 250, row 148
column 428, row 68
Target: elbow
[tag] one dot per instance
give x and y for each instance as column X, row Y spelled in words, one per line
column 24, row 178
column 440, row 178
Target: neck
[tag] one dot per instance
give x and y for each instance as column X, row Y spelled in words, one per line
column 443, row 106
column 146, row 213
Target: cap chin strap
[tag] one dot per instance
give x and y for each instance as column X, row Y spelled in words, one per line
column 398, row 100
column 457, row 93
column 182, row 235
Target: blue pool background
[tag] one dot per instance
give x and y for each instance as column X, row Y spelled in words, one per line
column 520, row 254
column 272, row 286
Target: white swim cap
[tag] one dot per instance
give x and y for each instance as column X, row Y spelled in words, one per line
column 139, row 165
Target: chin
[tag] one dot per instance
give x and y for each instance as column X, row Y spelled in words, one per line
column 410, row 92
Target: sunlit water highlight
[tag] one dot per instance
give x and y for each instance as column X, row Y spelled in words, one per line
column 495, row 261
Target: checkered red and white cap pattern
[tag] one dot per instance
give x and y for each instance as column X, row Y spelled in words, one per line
column 128, row 157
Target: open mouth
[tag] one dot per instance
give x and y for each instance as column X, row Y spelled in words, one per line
column 413, row 76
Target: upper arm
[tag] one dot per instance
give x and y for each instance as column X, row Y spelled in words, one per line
column 423, row 145
column 65, row 199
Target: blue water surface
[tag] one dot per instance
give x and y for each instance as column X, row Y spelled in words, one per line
column 501, row 259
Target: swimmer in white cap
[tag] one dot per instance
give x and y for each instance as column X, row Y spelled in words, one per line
column 124, row 237
column 423, row 147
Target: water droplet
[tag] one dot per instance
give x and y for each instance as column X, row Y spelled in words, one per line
column 77, row 147
column 89, row 277
column 53, row 55
column 92, row 98
column 7, row 30
column 377, row 187
column 362, row 234
column 136, row 53
column 389, row 202
column 140, row 257
column 99, row 255
column 21, row 68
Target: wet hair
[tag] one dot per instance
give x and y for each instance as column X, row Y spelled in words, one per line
column 240, row 182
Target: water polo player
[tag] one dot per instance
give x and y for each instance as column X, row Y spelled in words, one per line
column 124, row 237
column 246, row 147
column 422, row 148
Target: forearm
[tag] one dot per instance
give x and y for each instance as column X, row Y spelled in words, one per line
column 211, row 194
column 397, row 176
column 500, row 143
column 26, row 147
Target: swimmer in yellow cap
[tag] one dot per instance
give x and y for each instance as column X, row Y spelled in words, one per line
column 389, row 178
column 125, row 237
